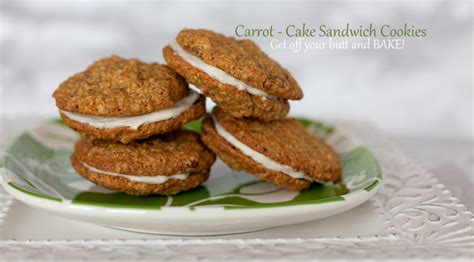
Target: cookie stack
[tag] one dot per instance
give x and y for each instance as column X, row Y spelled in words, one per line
column 130, row 115
column 248, row 129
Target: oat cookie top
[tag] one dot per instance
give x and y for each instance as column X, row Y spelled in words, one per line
column 115, row 86
column 177, row 152
column 286, row 142
column 241, row 59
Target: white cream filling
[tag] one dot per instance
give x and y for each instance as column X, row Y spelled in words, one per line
column 215, row 72
column 142, row 179
column 135, row 122
column 256, row 156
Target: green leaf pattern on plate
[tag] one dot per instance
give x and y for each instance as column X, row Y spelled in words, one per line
column 37, row 163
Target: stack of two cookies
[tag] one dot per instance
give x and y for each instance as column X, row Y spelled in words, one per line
column 130, row 115
column 248, row 128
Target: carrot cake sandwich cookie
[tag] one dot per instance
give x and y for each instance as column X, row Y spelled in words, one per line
column 241, row 79
column 126, row 99
column 280, row 152
column 165, row 165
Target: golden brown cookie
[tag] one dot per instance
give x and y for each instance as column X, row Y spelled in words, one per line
column 127, row 134
column 235, row 74
column 126, row 99
column 166, row 164
column 281, row 152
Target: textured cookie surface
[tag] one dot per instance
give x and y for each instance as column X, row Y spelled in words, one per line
column 238, row 103
column 127, row 135
column 115, row 86
column 120, row 184
column 178, row 152
column 286, row 142
column 241, row 59
column 236, row 160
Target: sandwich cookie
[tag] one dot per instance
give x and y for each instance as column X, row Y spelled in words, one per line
column 235, row 74
column 126, row 99
column 280, row 152
column 165, row 165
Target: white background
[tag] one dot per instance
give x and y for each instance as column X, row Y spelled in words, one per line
column 422, row 97
column 422, row 91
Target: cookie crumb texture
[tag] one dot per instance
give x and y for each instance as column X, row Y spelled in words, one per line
column 178, row 152
column 127, row 135
column 235, row 102
column 243, row 60
column 287, row 142
column 115, row 86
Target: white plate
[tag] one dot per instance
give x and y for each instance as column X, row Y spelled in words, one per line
column 37, row 172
